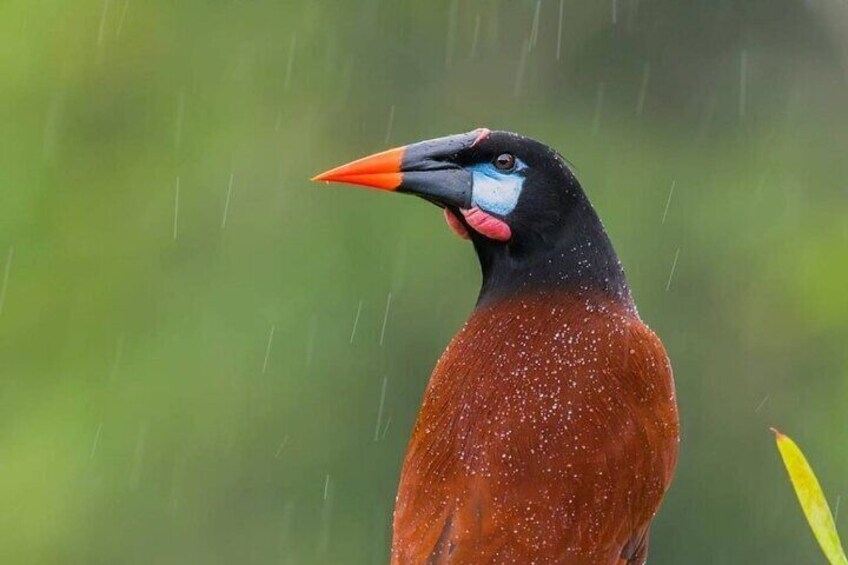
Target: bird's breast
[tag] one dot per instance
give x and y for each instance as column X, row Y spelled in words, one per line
column 549, row 423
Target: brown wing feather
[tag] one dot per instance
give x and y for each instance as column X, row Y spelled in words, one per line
column 548, row 433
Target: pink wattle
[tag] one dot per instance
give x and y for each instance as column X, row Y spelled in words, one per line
column 487, row 225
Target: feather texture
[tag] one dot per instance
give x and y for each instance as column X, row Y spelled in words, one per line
column 548, row 434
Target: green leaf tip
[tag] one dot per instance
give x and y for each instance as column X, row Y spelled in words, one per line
column 811, row 498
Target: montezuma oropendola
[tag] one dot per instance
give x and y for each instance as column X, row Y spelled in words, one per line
column 548, row 431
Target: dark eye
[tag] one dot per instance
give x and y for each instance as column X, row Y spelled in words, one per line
column 505, row 161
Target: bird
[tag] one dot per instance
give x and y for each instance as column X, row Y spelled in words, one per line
column 548, row 431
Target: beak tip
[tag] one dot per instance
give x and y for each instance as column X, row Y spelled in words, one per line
column 381, row 170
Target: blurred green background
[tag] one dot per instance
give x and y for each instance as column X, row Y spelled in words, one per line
column 194, row 339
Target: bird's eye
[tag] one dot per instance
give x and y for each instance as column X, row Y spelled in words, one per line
column 505, row 161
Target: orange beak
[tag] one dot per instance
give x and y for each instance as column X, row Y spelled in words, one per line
column 429, row 169
column 381, row 170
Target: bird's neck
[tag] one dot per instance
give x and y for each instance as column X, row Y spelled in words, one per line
column 579, row 257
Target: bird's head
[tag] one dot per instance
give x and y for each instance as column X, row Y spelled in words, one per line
column 513, row 196
column 496, row 187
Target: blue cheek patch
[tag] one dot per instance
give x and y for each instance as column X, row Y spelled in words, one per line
column 496, row 191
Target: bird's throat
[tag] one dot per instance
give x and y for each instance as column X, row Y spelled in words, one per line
column 578, row 256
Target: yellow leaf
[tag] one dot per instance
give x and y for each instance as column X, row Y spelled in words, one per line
column 812, row 499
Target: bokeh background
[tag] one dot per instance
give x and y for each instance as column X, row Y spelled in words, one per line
column 195, row 342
